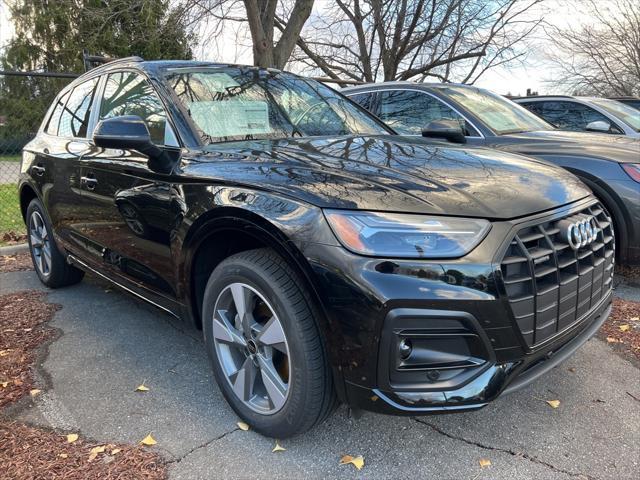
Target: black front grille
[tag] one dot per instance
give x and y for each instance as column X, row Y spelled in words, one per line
column 549, row 284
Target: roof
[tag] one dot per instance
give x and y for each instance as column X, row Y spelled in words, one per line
column 399, row 83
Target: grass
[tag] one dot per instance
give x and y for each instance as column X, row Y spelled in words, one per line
column 10, row 158
column 10, row 215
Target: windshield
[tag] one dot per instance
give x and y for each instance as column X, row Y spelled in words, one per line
column 627, row 114
column 499, row 114
column 247, row 103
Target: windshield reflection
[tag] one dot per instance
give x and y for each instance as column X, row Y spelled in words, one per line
column 247, row 103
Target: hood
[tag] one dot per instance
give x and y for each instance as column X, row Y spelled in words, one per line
column 617, row 148
column 390, row 173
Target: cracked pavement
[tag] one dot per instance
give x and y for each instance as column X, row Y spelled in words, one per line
column 109, row 343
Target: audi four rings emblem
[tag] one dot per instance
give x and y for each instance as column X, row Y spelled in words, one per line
column 579, row 231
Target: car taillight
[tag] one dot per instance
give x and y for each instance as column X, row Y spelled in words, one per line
column 632, row 169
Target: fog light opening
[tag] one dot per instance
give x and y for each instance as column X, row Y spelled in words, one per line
column 405, row 348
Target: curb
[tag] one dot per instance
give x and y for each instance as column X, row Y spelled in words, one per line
column 13, row 249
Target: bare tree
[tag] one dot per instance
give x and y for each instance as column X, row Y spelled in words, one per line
column 271, row 47
column 601, row 56
column 373, row 40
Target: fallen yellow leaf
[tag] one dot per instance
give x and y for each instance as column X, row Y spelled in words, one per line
column 72, row 437
column 34, row 392
column 4, row 353
column 553, row 403
column 243, row 426
column 95, row 451
column 357, row 462
column 148, row 441
column 142, row 388
column 63, row 455
column 624, row 328
column 634, row 319
column 278, row 448
column 612, row 340
column 485, row 463
column 4, row 384
column 115, row 451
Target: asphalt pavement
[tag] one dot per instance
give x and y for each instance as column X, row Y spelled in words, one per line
column 110, row 343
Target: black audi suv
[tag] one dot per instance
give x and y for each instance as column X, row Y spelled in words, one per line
column 324, row 259
column 608, row 164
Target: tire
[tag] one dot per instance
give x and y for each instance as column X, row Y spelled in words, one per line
column 270, row 286
column 49, row 263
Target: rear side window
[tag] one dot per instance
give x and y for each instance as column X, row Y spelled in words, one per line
column 127, row 93
column 74, row 121
column 54, row 120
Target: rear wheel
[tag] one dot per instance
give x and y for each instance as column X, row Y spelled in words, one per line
column 264, row 345
column 50, row 264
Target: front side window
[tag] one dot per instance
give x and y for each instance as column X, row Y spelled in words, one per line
column 54, row 120
column 74, row 121
column 409, row 111
column 238, row 103
column 571, row 115
column 128, row 93
column 497, row 113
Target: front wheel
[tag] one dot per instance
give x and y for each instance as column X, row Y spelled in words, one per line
column 50, row 264
column 263, row 341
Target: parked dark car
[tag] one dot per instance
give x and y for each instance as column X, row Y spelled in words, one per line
column 324, row 258
column 630, row 101
column 585, row 114
column 608, row 164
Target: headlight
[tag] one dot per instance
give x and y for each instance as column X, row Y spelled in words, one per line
column 403, row 235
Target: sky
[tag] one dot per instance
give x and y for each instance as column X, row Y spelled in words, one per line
column 515, row 78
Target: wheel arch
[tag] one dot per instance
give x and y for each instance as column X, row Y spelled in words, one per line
column 26, row 194
column 611, row 201
column 228, row 230
column 231, row 230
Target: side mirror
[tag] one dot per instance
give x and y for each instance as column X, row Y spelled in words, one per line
column 129, row 132
column 450, row 130
column 598, row 126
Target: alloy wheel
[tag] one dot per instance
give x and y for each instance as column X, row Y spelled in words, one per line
column 40, row 243
column 252, row 348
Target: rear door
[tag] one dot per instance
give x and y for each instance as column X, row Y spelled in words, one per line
column 55, row 166
column 130, row 209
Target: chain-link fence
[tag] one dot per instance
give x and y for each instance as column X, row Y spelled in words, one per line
column 24, row 99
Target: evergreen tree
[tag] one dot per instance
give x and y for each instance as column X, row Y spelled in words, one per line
column 50, row 36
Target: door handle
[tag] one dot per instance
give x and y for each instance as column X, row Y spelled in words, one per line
column 89, row 182
column 38, row 169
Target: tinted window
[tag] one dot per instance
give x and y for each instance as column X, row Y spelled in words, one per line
column 365, row 100
column 128, row 93
column 408, row 111
column 571, row 115
column 54, row 120
column 535, row 107
column 74, row 121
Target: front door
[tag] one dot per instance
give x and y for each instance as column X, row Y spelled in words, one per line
column 129, row 209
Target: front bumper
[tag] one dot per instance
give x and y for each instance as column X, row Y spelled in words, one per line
column 491, row 381
column 459, row 309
